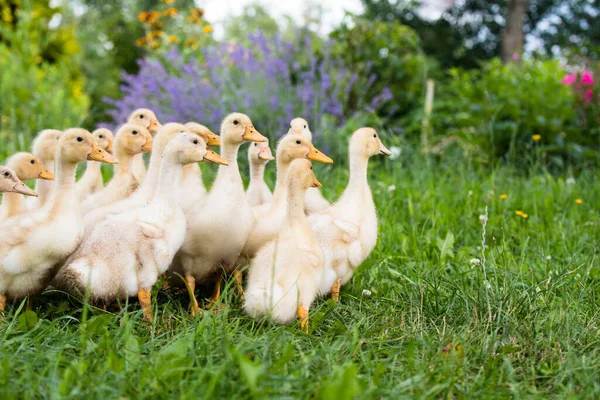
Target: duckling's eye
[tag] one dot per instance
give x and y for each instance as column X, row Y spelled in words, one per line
column 255, row 144
column 134, row 132
column 304, row 126
column 80, row 139
column 195, row 141
column 141, row 116
column 235, row 122
column 375, row 135
column 32, row 161
column 311, row 167
column 101, row 136
column 298, row 142
column 6, row 174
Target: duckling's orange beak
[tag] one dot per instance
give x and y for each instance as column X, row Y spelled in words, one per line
column 101, row 155
column 47, row 175
column 154, row 125
column 213, row 157
column 265, row 154
column 316, row 155
column 317, row 184
column 213, row 139
column 109, row 148
column 148, row 145
column 384, row 150
column 23, row 189
column 252, row 135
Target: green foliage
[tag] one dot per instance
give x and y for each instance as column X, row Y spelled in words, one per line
column 38, row 92
column 384, row 56
column 496, row 111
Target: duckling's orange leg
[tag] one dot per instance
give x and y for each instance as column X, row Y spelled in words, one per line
column 303, row 317
column 335, row 290
column 212, row 300
column 190, row 283
column 2, row 305
column 238, row 279
column 146, row 303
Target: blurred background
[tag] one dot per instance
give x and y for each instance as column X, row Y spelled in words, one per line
column 501, row 81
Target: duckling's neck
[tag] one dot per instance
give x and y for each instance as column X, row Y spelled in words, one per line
column 191, row 171
column 64, row 194
column 295, row 205
column 257, row 172
column 148, row 187
column 358, row 184
column 92, row 170
column 280, row 183
column 125, row 163
column 44, row 187
column 169, row 181
column 12, row 204
column 231, row 172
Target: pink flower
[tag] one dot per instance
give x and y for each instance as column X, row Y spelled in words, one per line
column 587, row 78
column 515, row 56
column 589, row 95
column 569, row 79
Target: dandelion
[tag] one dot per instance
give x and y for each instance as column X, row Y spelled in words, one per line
column 503, row 196
column 170, row 12
column 475, row 262
column 521, row 214
column 168, row 1
column 366, row 292
column 172, row 38
column 579, row 201
column 207, row 29
column 396, row 151
column 391, row 188
column 536, row 137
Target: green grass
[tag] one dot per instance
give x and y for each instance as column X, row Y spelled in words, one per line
column 523, row 324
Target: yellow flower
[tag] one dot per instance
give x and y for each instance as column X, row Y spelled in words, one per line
column 503, row 196
column 169, row 12
column 173, row 38
column 521, row 214
column 168, row 1
column 140, row 42
column 207, row 29
column 143, row 16
column 579, row 201
column 197, row 12
column 536, row 138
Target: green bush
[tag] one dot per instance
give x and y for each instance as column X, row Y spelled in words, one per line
column 39, row 91
column 499, row 110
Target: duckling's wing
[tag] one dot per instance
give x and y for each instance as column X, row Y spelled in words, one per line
column 152, row 226
column 350, row 230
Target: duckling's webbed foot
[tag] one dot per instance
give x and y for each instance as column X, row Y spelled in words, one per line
column 212, row 300
column 2, row 305
column 335, row 290
column 144, row 297
column 303, row 317
column 190, row 283
column 238, row 279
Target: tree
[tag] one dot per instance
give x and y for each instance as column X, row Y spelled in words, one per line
column 513, row 38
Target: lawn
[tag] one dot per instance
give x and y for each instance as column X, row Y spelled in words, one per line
column 459, row 306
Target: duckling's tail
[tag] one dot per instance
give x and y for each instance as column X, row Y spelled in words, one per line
column 274, row 302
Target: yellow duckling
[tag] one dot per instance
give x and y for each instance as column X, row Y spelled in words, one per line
column 10, row 183
column 44, row 147
column 259, row 155
column 147, row 119
column 91, row 181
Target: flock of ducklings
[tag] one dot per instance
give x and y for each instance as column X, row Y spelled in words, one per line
column 114, row 242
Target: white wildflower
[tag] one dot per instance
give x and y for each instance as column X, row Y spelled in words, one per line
column 483, row 218
column 391, row 188
column 396, row 151
column 548, row 258
column 475, row 262
column 487, row 284
column 366, row 292
column 570, row 181
column 470, row 193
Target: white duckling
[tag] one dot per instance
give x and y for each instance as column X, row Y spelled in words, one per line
column 259, row 155
column 126, row 253
column 271, row 217
column 131, row 140
column 218, row 231
column 193, row 191
column 284, row 276
column 91, row 181
column 44, row 147
column 347, row 231
column 314, row 201
column 33, row 245
column 147, row 119
column 27, row 167
column 10, row 183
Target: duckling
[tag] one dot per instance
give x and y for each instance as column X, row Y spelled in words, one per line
column 147, row 119
column 34, row 244
column 284, row 276
column 300, row 126
column 217, row 232
column 10, row 183
column 27, row 167
column 259, row 154
column 44, row 147
column 193, row 191
column 131, row 140
column 347, row 231
column 127, row 252
column 270, row 217
column 91, row 182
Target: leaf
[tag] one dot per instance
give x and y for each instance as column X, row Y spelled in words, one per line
column 446, row 246
column 343, row 385
column 27, row 321
column 250, row 371
column 131, row 349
